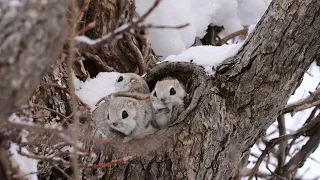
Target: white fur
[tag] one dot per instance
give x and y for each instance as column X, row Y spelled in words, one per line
column 162, row 90
column 131, row 83
column 137, row 124
column 126, row 128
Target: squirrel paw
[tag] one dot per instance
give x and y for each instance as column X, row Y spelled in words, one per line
column 163, row 111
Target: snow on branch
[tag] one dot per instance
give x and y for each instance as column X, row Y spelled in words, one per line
column 207, row 56
column 117, row 33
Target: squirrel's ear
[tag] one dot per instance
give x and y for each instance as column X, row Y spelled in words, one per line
column 109, row 97
column 133, row 80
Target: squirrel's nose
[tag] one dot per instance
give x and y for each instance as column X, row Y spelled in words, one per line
column 163, row 100
column 115, row 124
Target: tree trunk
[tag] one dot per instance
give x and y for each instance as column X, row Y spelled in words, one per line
column 228, row 111
column 32, row 36
column 225, row 112
column 132, row 53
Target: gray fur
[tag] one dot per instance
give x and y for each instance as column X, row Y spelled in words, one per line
column 131, row 83
column 140, row 114
column 162, row 90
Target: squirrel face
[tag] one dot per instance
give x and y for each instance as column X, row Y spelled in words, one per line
column 121, row 115
column 131, row 82
column 167, row 92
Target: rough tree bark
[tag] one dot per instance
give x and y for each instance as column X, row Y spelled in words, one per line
column 226, row 112
column 230, row 110
column 132, row 53
column 32, row 36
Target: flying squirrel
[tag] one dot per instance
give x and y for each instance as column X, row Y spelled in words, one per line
column 131, row 117
column 167, row 99
column 129, row 82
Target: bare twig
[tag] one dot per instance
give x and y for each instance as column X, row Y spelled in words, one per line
column 299, row 158
column 122, row 29
column 86, row 28
column 275, row 141
column 117, row 33
column 74, row 19
column 83, row 8
column 62, row 171
column 293, row 141
column 150, row 26
column 315, row 160
column 243, row 31
column 36, row 128
column 57, row 131
column 268, row 168
column 281, row 156
column 48, row 109
column 61, row 161
column 310, row 101
column 307, row 105
column 47, row 144
column 99, row 62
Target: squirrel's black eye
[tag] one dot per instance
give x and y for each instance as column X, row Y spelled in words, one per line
column 108, row 117
column 124, row 114
column 155, row 94
column 120, row 79
column 172, row 91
